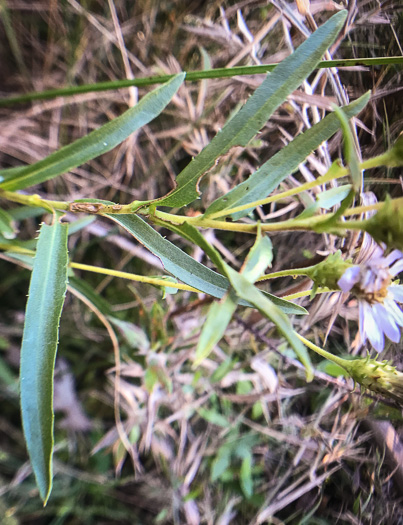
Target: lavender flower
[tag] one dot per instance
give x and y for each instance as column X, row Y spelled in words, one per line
column 377, row 296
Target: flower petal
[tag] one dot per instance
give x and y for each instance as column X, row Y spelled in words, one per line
column 372, row 330
column 397, row 292
column 392, row 257
column 394, row 310
column 386, row 322
column 396, row 268
column 361, row 307
column 349, row 278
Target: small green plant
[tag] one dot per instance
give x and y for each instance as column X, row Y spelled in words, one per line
column 53, row 271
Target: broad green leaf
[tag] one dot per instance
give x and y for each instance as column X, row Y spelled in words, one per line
column 133, row 334
column 224, row 368
column 266, row 179
column 175, row 261
column 221, row 463
column 38, row 353
column 26, row 212
column 80, row 224
column 285, row 78
column 96, row 143
column 184, row 267
column 246, row 290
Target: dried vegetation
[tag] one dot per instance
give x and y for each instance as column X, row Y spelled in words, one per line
column 241, row 439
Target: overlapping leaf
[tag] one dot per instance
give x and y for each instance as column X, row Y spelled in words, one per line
column 285, row 78
column 184, row 267
column 282, row 164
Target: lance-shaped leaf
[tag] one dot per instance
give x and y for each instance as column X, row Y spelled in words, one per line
column 39, row 343
column 96, row 143
column 266, row 179
column 218, row 318
column 220, row 314
column 184, row 267
column 246, row 290
column 285, row 78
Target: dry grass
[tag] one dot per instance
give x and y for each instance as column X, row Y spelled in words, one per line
column 188, row 431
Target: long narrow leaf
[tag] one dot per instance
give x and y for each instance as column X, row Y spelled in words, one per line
column 282, row 164
column 184, row 267
column 220, row 313
column 45, row 302
column 246, row 290
column 285, row 78
column 96, row 143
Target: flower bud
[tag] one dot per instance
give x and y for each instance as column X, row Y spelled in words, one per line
column 378, row 376
column 386, row 226
column 328, row 272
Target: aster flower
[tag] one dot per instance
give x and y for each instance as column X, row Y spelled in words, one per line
column 377, row 296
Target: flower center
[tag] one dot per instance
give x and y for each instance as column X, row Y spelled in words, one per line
column 373, row 284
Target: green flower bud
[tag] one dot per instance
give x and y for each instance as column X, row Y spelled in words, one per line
column 328, row 272
column 378, row 376
column 386, row 226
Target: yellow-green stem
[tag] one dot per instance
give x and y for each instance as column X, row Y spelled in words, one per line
column 133, row 277
column 34, row 200
column 341, row 172
column 327, row 355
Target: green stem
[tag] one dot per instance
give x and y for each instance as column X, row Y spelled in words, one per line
column 295, row 272
column 338, row 360
column 190, row 76
column 306, row 293
column 327, row 177
column 133, row 277
column 34, row 200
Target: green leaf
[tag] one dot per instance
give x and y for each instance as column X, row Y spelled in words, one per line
column 285, row 78
column 218, row 318
column 83, row 288
column 349, row 149
column 213, row 417
column 266, row 179
column 7, row 226
column 326, row 200
column 38, row 353
column 245, row 476
column 221, row 463
column 96, row 143
column 184, row 267
column 175, row 261
column 259, row 258
column 9, row 173
column 133, row 334
column 246, row 290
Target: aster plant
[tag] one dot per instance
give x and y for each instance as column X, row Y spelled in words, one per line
column 329, row 212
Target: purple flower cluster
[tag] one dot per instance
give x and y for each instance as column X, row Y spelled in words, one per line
column 377, row 297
